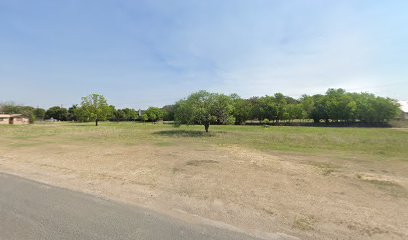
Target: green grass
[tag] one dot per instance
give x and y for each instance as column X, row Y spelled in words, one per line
column 366, row 143
column 377, row 142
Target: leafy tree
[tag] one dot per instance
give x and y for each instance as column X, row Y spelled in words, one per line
column 204, row 108
column 130, row 114
column 126, row 114
column 72, row 113
column 9, row 108
column 28, row 112
column 230, row 120
column 291, row 100
column 280, row 103
column 386, row 109
column 265, row 107
column 56, row 112
column 307, row 103
column 117, row 114
column 144, row 117
column 223, row 107
column 320, row 109
column 154, row 114
column 168, row 112
column 242, row 109
column 340, row 105
column 255, row 110
column 295, row 111
column 39, row 113
column 94, row 108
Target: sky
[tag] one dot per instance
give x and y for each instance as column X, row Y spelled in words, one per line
column 152, row 53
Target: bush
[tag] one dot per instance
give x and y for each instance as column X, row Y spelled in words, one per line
column 230, row 120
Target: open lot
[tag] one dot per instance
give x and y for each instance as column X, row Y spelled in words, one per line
column 312, row 183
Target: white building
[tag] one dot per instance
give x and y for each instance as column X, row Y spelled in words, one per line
column 16, row 119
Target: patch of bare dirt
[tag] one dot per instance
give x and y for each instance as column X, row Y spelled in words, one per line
column 266, row 195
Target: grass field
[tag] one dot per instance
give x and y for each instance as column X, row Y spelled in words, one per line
column 313, row 183
column 368, row 143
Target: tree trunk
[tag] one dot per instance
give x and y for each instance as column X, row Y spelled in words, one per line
column 96, row 122
column 206, row 126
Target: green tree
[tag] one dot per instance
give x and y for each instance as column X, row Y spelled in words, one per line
column 144, row 117
column 117, row 114
column 265, row 107
column 281, row 104
column 386, row 109
column 295, row 111
column 94, row 108
column 72, row 116
column 205, row 108
column 57, row 113
column 154, row 114
column 320, row 109
column 243, row 110
column 340, row 105
column 39, row 113
column 130, row 114
column 9, row 108
column 168, row 112
column 28, row 112
column 307, row 103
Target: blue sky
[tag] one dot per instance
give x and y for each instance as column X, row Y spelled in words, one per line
column 152, row 53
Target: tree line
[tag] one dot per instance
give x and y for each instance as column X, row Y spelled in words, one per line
column 206, row 108
column 336, row 105
column 92, row 108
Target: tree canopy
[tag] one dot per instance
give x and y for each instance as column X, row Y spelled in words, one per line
column 125, row 114
column 205, row 108
column 94, row 108
column 57, row 113
column 154, row 114
column 39, row 113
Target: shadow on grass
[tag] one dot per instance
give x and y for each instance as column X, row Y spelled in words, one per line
column 184, row 133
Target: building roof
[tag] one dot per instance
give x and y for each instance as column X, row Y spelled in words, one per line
column 404, row 106
column 10, row 115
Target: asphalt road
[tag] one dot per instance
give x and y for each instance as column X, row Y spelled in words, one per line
column 30, row 210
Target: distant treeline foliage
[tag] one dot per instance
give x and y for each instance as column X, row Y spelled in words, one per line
column 205, row 108
column 336, row 105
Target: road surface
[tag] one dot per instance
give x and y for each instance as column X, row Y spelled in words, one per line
column 30, row 210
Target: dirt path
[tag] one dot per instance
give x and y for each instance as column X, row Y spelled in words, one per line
column 264, row 194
